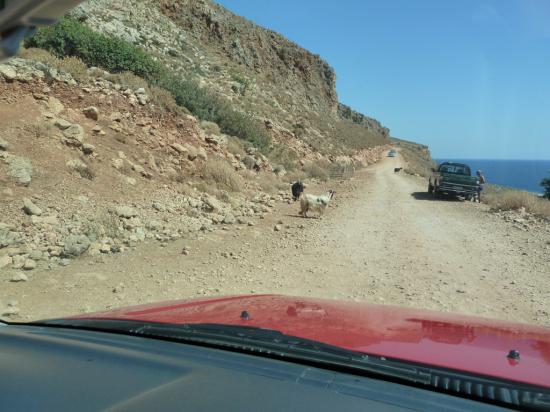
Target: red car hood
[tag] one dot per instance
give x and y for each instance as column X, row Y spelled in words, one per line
column 465, row 343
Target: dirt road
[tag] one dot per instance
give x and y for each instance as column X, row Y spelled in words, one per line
column 383, row 240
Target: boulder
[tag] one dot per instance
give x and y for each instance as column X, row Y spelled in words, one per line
column 178, row 148
column 76, row 245
column 8, row 72
column 126, row 212
column 62, row 124
column 229, row 219
column 4, row 145
column 29, row 264
column 20, row 168
column 54, row 105
column 88, row 148
column 91, row 112
column 19, row 277
column 74, row 135
column 5, row 261
column 30, row 208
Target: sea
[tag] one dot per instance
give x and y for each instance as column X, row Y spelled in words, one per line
column 519, row 174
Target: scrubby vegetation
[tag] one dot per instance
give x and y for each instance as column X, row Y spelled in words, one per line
column 503, row 198
column 545, row 183
column 219, row 172
column 71, row 39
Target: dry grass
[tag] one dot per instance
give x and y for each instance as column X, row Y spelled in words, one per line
column 270, row 183
column 294, row 176
column 318, row 170
column 40, row 130
column 128, row 80
column 72, row 65
column 164, row 100
column 75, row 67
column 501, row 198
column 235, row 146
column 210, row 127
column 222, row 174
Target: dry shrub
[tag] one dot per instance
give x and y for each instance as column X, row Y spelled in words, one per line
column 501, row 198
column 210, row 127
column 318, row 170
column 270, row 183
column 72, row 65
column 75, row 67
column 40, row 130
column 41, row 55
column 83, row 167
column 222, row 174
column 128, row 79
column 295, row 175
column 235, row 146
column 164, row 100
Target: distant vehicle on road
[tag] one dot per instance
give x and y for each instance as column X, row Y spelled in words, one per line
column 453, row 179
column 392, row 153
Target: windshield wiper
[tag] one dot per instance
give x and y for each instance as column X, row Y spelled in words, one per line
column 274, row 344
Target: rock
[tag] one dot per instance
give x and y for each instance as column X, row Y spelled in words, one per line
column 229, row 219
column 159, row 206
column 74, row 135
column 29, row 264
column 278, row 228
column 10, row 311
column 18, row 261
column 140, row 90
column 178, row 148
column 118, row 163
column 62, row 124
column 5, row 261
column 105, row 248
column 192, row 154
column 97, row 129
column 76, row 245
column 4, row 145
column 142, row 99
column 88, row 148
column 20, row 168
column 54, row 105
column 201, row 153
column 76, row 164
column 8, row 72
column 30, row 208
column 91, row 112
column 126, row 212
column 19, row 277
column 116, row 117
column 130, row 180
column 210, row 203
column 64, row 262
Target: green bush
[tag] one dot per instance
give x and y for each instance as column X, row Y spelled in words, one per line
column 545, row 183
column 71, row 38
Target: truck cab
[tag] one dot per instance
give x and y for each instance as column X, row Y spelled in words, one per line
column 453, row 179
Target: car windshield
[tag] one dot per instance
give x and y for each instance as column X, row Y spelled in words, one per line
column 390, row 153
column 455, row 169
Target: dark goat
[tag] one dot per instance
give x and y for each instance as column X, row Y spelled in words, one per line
column 297, row 189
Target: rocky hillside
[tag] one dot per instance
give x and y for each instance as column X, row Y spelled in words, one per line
column 257, row 69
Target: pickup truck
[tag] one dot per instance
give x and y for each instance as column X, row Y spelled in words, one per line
column 453, row 179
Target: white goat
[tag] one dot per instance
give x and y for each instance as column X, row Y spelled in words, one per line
column 315, row 203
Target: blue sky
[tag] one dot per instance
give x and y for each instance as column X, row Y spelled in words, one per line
column 469, row 78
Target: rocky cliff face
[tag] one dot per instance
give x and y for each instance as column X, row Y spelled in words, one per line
column 257, row 69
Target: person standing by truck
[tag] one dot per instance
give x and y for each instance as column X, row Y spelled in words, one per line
column 481, row 179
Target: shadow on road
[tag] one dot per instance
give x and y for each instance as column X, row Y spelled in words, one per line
column 428, row 196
